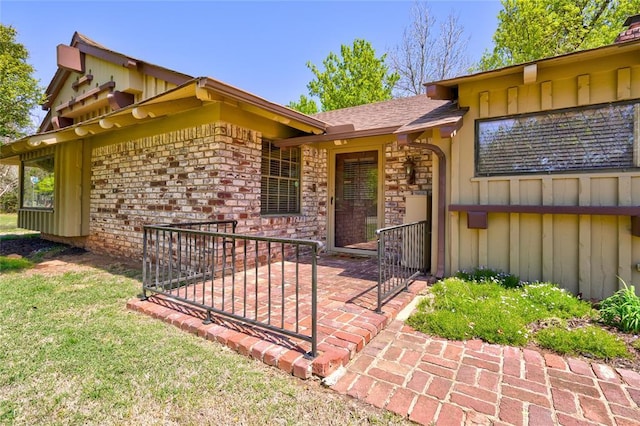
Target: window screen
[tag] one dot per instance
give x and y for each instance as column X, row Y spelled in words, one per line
column 280, row 188
column 592, row 138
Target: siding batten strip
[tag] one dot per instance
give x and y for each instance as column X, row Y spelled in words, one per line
column 546, row 97
column 512, row 100
column 583, row 89
column 625, row 246
column 584, row 243
column 483, row 240
column 514, row 228
column 547, row 231
column 624, row 83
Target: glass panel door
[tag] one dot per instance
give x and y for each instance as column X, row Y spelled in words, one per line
column 356, row 206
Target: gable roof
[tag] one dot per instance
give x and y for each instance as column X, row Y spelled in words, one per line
column 88, row 46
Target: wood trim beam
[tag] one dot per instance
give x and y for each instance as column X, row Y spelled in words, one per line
column 440, row 92
column 86, row 79
column 93, row 92
column 61, row 122
column 537, row 209
column 119, row 100
column 335, row 136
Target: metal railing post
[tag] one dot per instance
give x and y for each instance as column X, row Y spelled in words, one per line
column 314, row 301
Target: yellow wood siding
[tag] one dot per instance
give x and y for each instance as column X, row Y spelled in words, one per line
column 128, row 80
column 583, row 253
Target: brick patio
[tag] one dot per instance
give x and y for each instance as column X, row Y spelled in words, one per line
column 347, row 321
column 437, row 381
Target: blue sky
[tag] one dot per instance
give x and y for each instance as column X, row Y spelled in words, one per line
column 258, row 46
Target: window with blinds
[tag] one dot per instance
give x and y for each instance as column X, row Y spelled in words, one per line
column 579, row 139
column 280, row 188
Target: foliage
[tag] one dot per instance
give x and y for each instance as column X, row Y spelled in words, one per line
column 429, row 51
column 462, row 309
column 71, row 353
column 636, row 344
column 10, row 264
column 481, row 275
column 356, row 77
column 622, row 310
column 19, row 91
column 588, row 341
column 305, row 105
column 9, row 202
column 530, row 30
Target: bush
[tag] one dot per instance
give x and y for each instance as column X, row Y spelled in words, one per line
column 589, row 341
column 487, row 275
column 622, row 310
column 9, row 202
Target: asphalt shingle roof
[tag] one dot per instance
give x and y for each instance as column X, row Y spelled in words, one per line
column 393, row 113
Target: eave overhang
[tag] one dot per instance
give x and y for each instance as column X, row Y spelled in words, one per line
column 447, row 118
column 443, row 89
column 215, row 90
column 190, row 95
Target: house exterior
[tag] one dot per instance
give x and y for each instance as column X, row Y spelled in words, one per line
column 127, row 143
column 532, row 169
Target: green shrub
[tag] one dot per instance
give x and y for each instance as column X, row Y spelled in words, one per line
column 589, row 341
column 484, row 275
column 622, row 310
column 636, row 344
column 9, row 202
column 10, row 264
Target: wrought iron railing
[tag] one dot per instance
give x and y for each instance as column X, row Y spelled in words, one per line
column 267, row 282
column 402, row 256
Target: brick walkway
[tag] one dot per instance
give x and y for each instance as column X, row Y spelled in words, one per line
column 432, row 380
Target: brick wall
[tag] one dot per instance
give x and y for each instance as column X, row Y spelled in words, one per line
column 201, row 173
column 396, row 187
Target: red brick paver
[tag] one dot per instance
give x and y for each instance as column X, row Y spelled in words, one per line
column 478, row 383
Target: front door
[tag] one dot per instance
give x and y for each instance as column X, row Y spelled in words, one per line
column 356, row 201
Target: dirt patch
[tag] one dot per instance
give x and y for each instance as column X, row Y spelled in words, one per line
column 57, row 258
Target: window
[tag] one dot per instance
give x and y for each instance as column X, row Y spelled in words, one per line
column 280, row 188
column 579, row 139
column 38, row 183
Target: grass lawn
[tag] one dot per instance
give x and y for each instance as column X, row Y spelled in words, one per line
column 9, row 224
column 70, row 353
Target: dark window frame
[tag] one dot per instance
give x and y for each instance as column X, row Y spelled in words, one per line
column 633, row 162
column 287, row 179
column 24, row 186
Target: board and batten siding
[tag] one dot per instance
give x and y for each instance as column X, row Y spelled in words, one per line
column 583, row 253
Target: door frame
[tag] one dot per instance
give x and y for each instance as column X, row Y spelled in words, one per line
column 331, row 160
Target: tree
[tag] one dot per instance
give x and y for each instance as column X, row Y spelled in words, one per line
column 356, row 77
column 19, row 91
column 305, row 105
column 426, row 55
column 19, row 94
column 530, row 30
